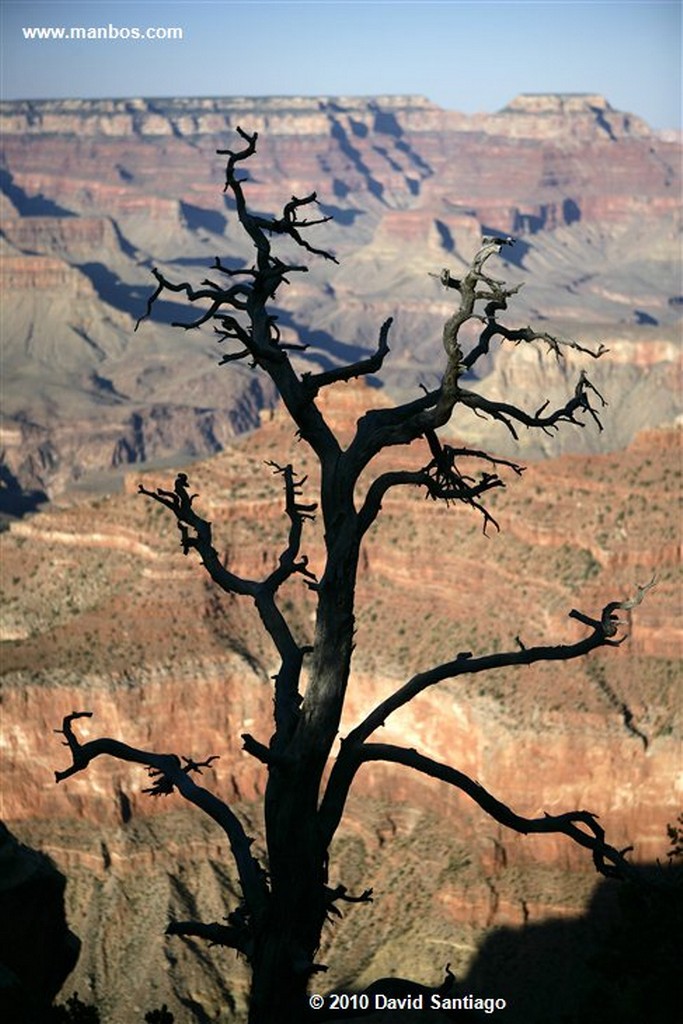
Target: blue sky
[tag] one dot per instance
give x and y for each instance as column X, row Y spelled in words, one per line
column 465, row 56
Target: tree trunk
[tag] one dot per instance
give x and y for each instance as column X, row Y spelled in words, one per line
column 286, row 947
column 289, row 936
column 278, row 994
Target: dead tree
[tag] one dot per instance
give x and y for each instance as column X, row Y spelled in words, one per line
column 286, row 901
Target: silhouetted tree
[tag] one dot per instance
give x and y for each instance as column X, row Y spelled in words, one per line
column 286, row 900
column 160, row 1016
column 75, row 1011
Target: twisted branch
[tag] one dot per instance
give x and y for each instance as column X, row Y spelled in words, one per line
column 237, row 934
column 297, row 513
column 170, row 774
column 313, row 382
column 350, row 757
column 442, row 481
column 580, row 826
column 382, row 428
column 506, row 413
column 196, row 534
column 255, row 225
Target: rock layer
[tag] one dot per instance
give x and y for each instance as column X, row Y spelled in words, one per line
column 102, row 613
column 97, row 191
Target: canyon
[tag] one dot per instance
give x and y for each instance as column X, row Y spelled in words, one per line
column 96, row 192
column 101, row 612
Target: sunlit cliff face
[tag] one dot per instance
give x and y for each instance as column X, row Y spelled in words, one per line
column 123, row 620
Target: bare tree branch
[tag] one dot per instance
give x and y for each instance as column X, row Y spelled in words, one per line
column 297, row 514
column 373, row 364
column 288, row 224
column 381, row 428
column 215, row 934
column 170, row 774
column 163, row 785
column 580, row 826
column 441, row 479
column 505, row 412
column 237, row 934
column 195, row 532
column 179, row 501
column 603, row 632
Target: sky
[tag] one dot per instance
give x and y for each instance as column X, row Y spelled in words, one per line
column 467, row 56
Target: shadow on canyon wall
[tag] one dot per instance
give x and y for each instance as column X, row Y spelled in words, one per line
column 37, row 949
column 15, row 501
column 616, row 964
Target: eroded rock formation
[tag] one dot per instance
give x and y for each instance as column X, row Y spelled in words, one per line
column 97, row 191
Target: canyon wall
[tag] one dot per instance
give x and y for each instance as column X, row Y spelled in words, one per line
column 101, row 612
column 95, row 192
